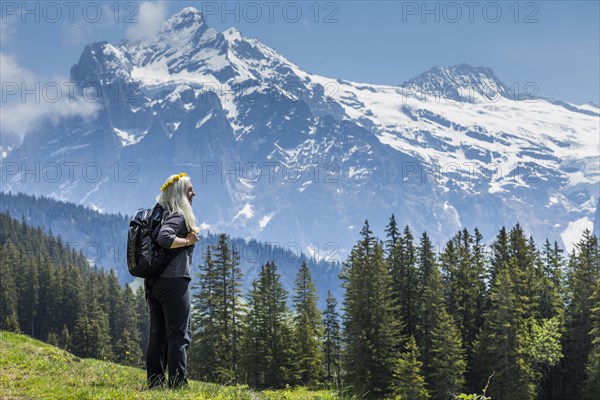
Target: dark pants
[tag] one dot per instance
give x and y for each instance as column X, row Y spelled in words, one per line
column 170, row 331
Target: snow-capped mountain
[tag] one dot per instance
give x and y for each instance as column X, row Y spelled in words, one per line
column 279, row 154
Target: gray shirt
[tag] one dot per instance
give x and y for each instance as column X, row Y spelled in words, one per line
column 180, row 265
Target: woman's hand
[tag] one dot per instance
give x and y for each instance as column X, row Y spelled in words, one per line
column 192, row 238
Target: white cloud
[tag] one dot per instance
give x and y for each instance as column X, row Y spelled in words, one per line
column 17, row 117
column 151, row 15
column 7, row 28
column 26, row 97
column 79, row 31
column 4, row 28
column 11, row 71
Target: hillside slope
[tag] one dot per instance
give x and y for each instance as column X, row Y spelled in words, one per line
column 35, row 370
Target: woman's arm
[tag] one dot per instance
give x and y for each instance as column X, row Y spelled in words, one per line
column 167, row 236
column 191, row 238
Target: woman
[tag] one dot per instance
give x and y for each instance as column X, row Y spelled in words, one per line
column 169, row 295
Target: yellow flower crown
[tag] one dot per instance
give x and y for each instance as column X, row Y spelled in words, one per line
column 171, row 180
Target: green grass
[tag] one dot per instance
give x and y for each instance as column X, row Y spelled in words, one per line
column 30, row 369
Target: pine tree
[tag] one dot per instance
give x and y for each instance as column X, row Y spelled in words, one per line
column 532, row 340
column 222, row 369
column 551, row 308
column 409, row 283
column 97, row 288
column 127, row 348
column 91, row 336
column 279, row 333
column 219, row 313
column 392, row 249
column 449, row 261
column 408, row 383
column 92, row 333
column 592, row 384
column 70, row 298
column 463, row 265
column 308, row 328
column 393, row 235
column 237, row 310
column 527, row 276
column 431, row 291
column 203, row 353
column 500, row 254
column 253, row 341
column 54, row 306
column 8, row 293
column 332, row 341
column 578, row 341
column 143, row 320
column 442, row 354
column 394, row 252
column 116, row 311
column 551, row 281
column 502, row 347
column 446, row 368
column 27, row 294
column 267, row 354
column 64, row 341
column 370, row 330
column 470, row 304
column 405, row 289
column 48, row 293
column 481, row 271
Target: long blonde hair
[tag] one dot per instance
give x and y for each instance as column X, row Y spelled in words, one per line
column 173, row 197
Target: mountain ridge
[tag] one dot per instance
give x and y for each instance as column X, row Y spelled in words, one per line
column 284, row 154
column 102, row 240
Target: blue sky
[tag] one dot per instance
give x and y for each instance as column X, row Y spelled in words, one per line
column 552, row 43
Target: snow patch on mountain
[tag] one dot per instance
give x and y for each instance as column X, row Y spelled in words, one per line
column 265, row 220
column 245, row 212
column 204, row 120
column 129, row 138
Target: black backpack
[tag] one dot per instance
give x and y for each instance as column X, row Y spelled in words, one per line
column 145, row 258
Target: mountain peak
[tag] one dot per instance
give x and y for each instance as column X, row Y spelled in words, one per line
column 458, row 71
column 460, row 82
column 180, row 35
column 187, row 18
column 232, row 34
column 187, row 12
